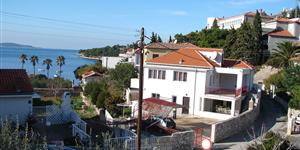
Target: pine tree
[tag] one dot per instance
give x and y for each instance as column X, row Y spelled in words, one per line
column 258, row 39
column 229, row 43
column 215, row 24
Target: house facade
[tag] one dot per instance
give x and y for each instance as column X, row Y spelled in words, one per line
column 236, row 21
column 15, row 95
column 281, row 30
column 200, row 80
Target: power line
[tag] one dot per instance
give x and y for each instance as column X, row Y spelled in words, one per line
column 62, row 35
column 67, row 22
column 64, row 29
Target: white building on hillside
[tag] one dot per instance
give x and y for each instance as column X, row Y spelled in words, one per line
column 236, row 21
column 282, row 30
column 15, row 95
column 200, row 79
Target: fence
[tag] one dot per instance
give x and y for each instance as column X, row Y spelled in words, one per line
column 178, row 140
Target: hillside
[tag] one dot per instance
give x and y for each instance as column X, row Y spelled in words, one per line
column 15, row 45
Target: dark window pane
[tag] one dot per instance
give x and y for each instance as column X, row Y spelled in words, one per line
column 150, row 74
column 184, row 76
column 180, row 76
column 163, row 74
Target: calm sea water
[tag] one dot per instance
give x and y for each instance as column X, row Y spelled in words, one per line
column 9, row 58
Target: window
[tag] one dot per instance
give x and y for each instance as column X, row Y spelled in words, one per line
column 184, row 76
column 174, row 98
column 157, row 74
column 155, row 95
column 179, row 76
column 150, row 73
column 164, row 75
column 155, row 55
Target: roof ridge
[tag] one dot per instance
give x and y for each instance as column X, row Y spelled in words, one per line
column 201, row 55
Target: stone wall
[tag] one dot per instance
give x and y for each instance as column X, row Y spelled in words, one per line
column 292, row 114
column 227, row 128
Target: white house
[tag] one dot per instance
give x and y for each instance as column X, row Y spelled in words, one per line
column 15, row 95
column 90, row 76
column 282, row 29
column 236, row 21
column 200, row 79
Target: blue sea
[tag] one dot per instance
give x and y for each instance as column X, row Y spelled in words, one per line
column 9, row 58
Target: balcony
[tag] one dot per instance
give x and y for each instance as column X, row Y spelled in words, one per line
column 226, row 91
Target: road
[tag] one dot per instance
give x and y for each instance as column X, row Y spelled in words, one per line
column 270, row 111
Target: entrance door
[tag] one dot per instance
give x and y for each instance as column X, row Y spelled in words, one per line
column 186, row 105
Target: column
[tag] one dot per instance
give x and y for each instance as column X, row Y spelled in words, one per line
column 232, row 108
column 239, row 83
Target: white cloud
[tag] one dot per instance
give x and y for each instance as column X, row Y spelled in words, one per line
column 177, row 13
column 249, row 2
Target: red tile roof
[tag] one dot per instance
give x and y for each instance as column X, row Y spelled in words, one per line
column 283, row 33
column 161, row 102
column 284, row 20
column 185, row 57
column 90, row 73
column 14, row 81
column 295, row 58
column 230, row 63
column 170, row 46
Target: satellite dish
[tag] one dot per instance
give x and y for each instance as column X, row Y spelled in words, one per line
column 214, row 55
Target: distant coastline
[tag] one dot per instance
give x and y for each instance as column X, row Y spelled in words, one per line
column 91, row 58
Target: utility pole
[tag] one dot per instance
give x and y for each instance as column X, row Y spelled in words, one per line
column 141, row 87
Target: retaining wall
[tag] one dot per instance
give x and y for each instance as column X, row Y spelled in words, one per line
column 227, row 128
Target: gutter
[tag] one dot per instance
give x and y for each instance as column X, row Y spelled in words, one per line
column 195, row 83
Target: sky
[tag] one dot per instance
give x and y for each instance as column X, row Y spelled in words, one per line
column 80, row 24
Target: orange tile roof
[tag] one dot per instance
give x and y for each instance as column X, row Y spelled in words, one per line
column 170, row 46
column 230, row 63
column 89, row 73
column 283, row 33
column 14, row 81
column 185, row 57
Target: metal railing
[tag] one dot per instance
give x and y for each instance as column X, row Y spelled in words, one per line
column 227, row 91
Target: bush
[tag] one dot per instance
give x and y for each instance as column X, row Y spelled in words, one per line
column 277, row 80
column 12, row 137
column 295, row 101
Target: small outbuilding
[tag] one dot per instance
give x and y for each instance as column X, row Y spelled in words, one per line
column 15, row 95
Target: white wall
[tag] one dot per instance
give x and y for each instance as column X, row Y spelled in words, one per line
column 111, row 62
column 273, row 41
column 193, row 88
column 16, row 105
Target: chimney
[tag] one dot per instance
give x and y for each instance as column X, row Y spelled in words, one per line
column 181, row 61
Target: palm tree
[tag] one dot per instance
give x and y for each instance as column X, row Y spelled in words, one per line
column 23, row 59
column 34, row 60
column 60, row 60
column 284, row 52
column 48, row 63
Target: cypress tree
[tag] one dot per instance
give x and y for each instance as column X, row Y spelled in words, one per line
column 244, row 45
column 159, row 39
column 153, row 38
column 229, row 43
column 258, row 39
column 170, row 39
column 215, row 24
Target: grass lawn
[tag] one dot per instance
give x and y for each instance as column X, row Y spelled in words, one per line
column 84, row 112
